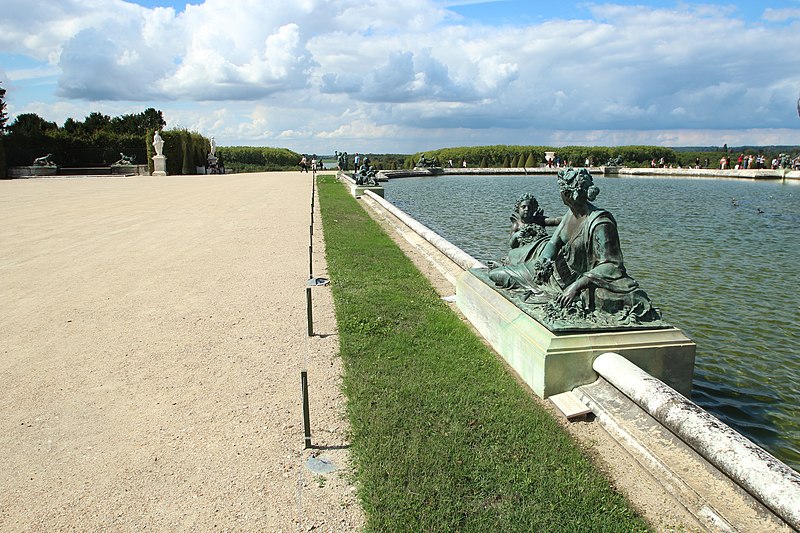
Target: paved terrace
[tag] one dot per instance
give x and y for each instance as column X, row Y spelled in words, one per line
column 153, row 333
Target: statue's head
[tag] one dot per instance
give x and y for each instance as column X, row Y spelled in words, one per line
column 576, row 182
column 527, row 206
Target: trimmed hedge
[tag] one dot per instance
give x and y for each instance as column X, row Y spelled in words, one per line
column 502, row 155
column 257, row 159
column 3, row 168
column 99, row 149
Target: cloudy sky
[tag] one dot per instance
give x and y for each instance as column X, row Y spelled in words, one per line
column 412, row 75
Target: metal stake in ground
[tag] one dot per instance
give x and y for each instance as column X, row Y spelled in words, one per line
column 306, row 417
column 310, row 262
column 309, row 313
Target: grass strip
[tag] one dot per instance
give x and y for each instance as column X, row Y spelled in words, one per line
column 443, row 438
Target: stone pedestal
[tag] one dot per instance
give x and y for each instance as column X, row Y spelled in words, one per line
column 35, row 170
column 159, row 165
column 552, row 363
column 358, row 190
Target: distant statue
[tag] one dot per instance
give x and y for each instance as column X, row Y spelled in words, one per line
column 125, row 159
column 366, row 175
column 341, row 161
column 614, row 162
column 578, row 272
column 158, row 143
column 44, row 161
column 425, row 162
column 213, row 151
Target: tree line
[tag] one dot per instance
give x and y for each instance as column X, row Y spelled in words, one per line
column 515, row 156
column 99, row 140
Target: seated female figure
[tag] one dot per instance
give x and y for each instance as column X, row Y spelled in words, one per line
column 582, row 261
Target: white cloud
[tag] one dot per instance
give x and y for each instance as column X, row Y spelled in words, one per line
column 781, row 15
column 315, row 70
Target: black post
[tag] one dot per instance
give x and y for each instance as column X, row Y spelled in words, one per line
column 306, row 417
column 309, row 312
column 310, row 262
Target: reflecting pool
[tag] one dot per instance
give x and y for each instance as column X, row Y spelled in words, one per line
column 720, row 258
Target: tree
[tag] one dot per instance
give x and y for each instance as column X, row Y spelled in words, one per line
column 96, row 122
column 31, row 124
column 3, row 119
column 139, row 123
column 153, row 119
column 3, row 115
column 530, row 162
column 71, row 126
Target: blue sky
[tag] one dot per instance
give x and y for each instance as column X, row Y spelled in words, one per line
column 388, row 76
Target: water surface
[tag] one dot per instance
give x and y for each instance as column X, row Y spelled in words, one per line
column 724, row 272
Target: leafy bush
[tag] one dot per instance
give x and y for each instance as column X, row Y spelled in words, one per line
column 257, row 159
column 496, row 156
column 2, row 159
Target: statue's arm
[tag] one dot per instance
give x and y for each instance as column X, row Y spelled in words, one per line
column 606, row 265
column 557, row 240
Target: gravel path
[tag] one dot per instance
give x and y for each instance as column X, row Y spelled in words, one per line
column 153, row 334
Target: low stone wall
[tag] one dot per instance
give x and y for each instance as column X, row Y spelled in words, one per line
column 768, row 479
column 31, row 171
column 766, row 174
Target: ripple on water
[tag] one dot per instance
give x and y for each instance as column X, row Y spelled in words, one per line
column 727, row 276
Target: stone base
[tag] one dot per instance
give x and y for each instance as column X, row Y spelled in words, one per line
column 159, row 165
column 33, row 170
column 358, row 190
column 552, row 363
column 129, row 170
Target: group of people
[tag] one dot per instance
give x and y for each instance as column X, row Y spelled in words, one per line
column 313, row 163
column 752, row 161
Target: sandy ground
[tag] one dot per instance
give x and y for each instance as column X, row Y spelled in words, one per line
column 153, row 334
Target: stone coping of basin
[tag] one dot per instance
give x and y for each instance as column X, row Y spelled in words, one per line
column 552, row 363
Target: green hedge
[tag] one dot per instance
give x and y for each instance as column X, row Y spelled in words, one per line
column 185, row 150
column 3, row 167
column 69, row 150
column 503, row 155
column 257, row 159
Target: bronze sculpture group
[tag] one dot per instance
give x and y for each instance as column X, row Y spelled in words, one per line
column 425, row 162
column 366, row 174
column 574, row 278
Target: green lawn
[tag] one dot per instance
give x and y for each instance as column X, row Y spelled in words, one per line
column 443, row 438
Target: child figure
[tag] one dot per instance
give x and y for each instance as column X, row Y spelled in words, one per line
column 528, row 221
column 527, row 228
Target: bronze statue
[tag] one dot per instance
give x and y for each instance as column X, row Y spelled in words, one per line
column 366, row 175
column 527, row 227
column 576, row 278
column 44, row 161
column 528, row 221
column 425, row 162
column 341, row 160
column 125, row 159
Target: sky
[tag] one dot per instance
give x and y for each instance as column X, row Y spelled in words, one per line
column 389, row 76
